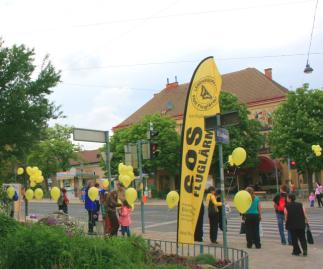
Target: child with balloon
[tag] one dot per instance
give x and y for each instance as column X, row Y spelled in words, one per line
column 124, row 218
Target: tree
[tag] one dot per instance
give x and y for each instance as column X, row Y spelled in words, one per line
column 246, row 134
column 54, row 152
column 298, row 124
column 25, row 107
column 167, row 140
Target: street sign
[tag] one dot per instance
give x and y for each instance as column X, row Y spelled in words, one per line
column 145, row 151
column 89, row 135
column 131, row 156
column 222, row 135
column 230, row 118
column 104, row 156
column 227, row 119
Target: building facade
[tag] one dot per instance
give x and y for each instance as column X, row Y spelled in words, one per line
column 85, row 168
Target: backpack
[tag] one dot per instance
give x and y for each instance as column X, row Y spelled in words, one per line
column 281, row 204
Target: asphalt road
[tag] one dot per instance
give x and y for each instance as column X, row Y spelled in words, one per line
column 162, row 219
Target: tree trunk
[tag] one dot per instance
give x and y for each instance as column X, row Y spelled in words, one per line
column 309, row 173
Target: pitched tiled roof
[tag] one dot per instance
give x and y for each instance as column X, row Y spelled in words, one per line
column 249, row 85
column 86, row 157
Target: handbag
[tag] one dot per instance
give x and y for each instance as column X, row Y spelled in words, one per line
column 243, row 228
column 309, row 235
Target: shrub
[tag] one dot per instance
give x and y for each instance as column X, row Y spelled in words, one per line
column 203, row 259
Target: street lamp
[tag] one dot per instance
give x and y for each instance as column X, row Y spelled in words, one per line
column 308, row 69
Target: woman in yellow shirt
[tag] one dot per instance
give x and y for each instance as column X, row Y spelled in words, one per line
column 213, row 213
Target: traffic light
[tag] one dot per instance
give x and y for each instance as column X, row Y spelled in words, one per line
column 154, row 150
column 293, row 165
column 153, row 134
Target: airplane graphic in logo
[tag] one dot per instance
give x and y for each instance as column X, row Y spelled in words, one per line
column 205, row 93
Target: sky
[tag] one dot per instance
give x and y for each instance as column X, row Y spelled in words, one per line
column 114, row 55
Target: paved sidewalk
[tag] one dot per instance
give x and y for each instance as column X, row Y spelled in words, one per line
column 272, row 255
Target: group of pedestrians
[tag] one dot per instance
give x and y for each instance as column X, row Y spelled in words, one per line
column 290, row 214
column 114, row 208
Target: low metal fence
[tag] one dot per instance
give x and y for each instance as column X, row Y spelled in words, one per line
column 238, row 258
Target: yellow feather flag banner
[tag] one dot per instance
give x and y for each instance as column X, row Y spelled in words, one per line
column 197, row 145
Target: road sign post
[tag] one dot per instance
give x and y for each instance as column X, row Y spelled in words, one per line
column 222, row 136
column 142, row 209
column 89, row 135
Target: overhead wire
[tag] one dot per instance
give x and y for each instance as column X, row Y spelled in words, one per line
column 188, row 61
column 309, row 48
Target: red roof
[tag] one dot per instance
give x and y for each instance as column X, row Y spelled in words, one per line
column 249, row 85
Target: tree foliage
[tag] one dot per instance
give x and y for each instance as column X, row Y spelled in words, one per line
column 53, row 153
column 246, row 134
column 25, row 107
column 298, row 124
column 167, row 140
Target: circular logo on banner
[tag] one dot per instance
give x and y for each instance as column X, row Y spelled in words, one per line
column 203, row 96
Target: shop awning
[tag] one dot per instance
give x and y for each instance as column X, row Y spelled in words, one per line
column 267, row 165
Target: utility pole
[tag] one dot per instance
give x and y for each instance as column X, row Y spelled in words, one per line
column 142, row 209
column 224, row 222
column 107, row 158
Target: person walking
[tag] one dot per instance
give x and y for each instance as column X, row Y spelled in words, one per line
column 63, row 201
column 252, row 220
column 213, row 213
column 280, row 201
column 125, row 218
column 112, row 205
column 311, row 198
column 91, row 208
column 319, row 193
column 296, row 220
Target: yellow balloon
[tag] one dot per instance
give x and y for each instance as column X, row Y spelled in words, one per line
column 29, row 194
column 33, row 178
column 29, row 170
column 239, row 155
column 242, row 200
column 39, row 194
column 121, row 168
column 105, row 183
column 33, row 184
column 125, row 180
column 230, row 160
column 38, row 173
column 20, row 171
column 129, row 168
column 93, row 193
column 55, row 193
column 11, row 192
column 131, row 175
column 39, row 179
column 131, row 195
column 172, row 199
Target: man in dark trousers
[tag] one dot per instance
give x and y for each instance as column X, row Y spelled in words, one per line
column 198, row 235
column 280, row 201
column 295, row 223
